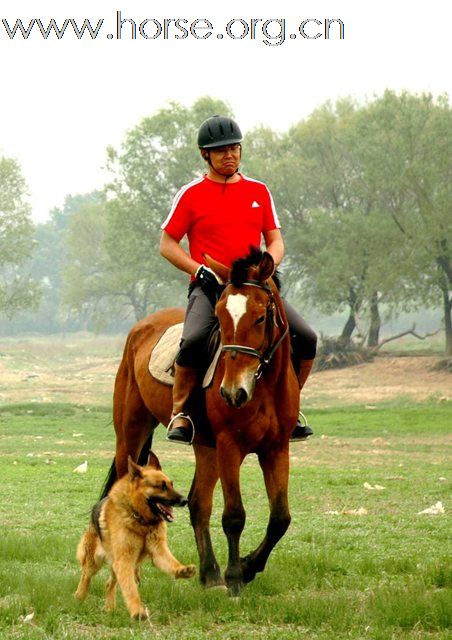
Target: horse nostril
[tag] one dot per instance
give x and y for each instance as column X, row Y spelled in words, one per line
column 241, row 397
column 225, row 395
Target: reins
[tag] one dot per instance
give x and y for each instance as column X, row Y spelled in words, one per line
column 265, row 357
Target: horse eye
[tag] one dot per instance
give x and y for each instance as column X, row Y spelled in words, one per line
column 260, row 320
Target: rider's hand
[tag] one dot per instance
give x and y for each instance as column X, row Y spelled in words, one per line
column 208, row 280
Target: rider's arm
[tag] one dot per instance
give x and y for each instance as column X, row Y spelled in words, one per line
column 173, row 252
column 274, row 244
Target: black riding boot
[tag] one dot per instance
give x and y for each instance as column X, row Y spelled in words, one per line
column 302, row 430
column 180, row 427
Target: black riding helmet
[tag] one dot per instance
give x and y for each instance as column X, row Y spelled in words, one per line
column 218, row 131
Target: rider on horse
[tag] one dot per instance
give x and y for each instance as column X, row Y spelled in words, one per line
column 222, row 213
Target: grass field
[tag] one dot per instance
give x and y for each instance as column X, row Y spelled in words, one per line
column 383, row 575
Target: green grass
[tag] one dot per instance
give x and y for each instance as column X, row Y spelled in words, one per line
column 385, row 575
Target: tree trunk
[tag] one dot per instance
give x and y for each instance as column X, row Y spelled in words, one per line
column 349, row 327
column 448, row 320
column 375, row 322
column 444, row 264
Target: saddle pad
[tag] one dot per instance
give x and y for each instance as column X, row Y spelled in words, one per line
column 164, row 354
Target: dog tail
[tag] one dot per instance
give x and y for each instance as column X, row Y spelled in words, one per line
column 87, row 545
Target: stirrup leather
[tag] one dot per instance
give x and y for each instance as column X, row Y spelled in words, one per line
column 181, row 414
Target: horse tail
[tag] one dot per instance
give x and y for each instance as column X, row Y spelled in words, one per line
column 109, row 480
column 144, row 453
column 112, row 475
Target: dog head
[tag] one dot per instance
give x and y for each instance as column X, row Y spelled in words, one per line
column 152, row 490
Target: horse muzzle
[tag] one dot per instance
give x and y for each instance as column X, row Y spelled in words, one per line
column 239, row 393
column 235, row 398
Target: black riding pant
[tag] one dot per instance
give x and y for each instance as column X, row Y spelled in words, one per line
column 200, row 320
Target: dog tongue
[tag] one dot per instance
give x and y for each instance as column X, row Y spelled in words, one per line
column 168, row 512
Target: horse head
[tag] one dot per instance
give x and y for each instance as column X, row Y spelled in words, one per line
column 252, row 323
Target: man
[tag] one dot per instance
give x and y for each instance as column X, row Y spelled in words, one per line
column 222, row 213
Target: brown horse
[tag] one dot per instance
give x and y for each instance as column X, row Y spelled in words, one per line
column 252, row 407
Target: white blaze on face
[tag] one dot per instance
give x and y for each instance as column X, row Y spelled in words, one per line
column 236, row 305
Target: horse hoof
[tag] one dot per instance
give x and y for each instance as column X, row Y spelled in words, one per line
column 247, row 570
column 234, row 591
column 217, row 587
column 213, row 583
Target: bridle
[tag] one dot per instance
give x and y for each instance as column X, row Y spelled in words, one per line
column 265, row 356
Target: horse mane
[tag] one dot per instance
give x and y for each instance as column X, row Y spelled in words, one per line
column 241, row 266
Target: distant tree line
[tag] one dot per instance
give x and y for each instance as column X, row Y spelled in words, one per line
column 363, row 193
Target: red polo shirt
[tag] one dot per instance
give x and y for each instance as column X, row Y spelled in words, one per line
column 222, row 220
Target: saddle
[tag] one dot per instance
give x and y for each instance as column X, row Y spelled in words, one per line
column 163, row 356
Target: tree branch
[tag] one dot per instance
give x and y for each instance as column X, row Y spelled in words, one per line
column 406, row 333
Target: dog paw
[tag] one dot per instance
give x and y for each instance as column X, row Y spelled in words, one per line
column 141, row 614
column 188, row 571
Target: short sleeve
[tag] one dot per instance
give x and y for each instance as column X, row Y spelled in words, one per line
column 271, row 220
column 178, row 220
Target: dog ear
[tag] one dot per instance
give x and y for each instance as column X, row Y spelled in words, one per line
column 134, row 469
column 153, row 461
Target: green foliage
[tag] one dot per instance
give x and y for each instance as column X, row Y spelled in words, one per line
column 364, row 194
column 18, row 290
column 157, row 157
column 409, row 148
column 115, row 268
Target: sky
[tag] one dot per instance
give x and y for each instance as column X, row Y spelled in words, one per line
column 64, row 101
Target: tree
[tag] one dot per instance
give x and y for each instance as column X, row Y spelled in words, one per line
column 409, row 147
column 156, row 158
column 17, row 288
column 364, row 195
column 85, row 269
column 333, row 228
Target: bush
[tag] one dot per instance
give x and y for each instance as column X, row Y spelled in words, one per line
column 337, row 353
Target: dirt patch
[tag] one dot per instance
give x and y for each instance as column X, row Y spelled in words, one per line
column 82, row 371
column 383, row 379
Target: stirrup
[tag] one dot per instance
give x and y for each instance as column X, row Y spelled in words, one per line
column 303, row 418
column 181, row 414
column 302, row 427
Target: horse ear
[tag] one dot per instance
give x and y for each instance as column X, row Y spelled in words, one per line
column 266, row 267
column 220, row 269
column 153, row 461
column 134, row 469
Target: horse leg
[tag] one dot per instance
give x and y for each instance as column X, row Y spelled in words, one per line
column 200, row 501
column 229, row 461
column 275, row 466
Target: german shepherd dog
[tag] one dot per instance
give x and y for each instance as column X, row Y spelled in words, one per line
column 128, row 526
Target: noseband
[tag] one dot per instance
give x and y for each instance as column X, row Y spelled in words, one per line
column 266, row 356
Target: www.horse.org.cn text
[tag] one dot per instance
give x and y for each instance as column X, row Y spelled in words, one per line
column 272, row 32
